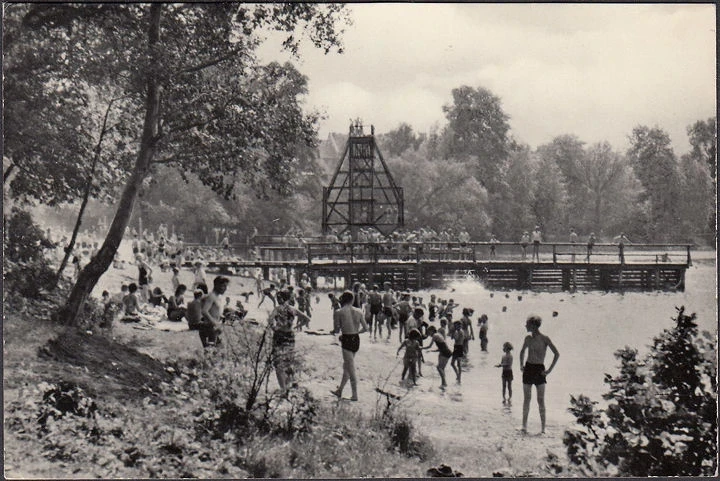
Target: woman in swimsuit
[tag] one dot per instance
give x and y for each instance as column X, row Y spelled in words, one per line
column 348, row 320
column 281, row 322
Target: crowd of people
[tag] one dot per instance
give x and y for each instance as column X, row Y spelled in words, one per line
column 419, row 326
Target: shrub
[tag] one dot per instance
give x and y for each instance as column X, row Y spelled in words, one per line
column 25, row 269
column 661, row 416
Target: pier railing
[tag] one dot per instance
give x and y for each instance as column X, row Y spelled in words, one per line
column 419, row 252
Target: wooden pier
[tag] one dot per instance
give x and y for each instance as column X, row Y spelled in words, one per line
column 412, row 266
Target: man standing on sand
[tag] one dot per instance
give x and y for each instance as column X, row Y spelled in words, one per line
column 212, row 309
column 534, row 371
column 347, row 320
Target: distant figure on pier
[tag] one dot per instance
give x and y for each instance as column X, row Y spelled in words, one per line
column 621, row 240
column 536, row 237
column 590, row 245
column 493, row 243
column 573, row 240
column 524, row 241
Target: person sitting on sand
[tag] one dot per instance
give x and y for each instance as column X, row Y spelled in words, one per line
column 348, row 321
column 534, row 371
column 507, row 373
column 176, row 310
column 412, row 352
column 458, row 349
column 132, row 304
column 444, row 352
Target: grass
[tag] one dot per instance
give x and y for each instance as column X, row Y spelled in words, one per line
column 150, row 421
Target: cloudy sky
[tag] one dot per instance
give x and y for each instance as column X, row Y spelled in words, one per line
column 595, row 71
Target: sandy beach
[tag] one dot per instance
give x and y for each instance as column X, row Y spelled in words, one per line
column 469, row 425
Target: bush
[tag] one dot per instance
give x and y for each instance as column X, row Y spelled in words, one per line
column 661, row 417
column 26, row 271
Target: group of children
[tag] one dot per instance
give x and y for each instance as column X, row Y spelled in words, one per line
column 406, row 313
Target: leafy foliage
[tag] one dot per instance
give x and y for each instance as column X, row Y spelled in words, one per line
column 26, row 271
column 661, row 417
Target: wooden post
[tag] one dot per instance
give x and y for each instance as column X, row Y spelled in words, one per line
column 657, row 278
column 689, row 259
column 554, row 255
column 566, row 279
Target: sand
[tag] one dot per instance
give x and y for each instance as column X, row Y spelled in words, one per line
column 469, row 425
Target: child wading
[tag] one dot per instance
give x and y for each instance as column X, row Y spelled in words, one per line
column 412, row 352
column 444, row 352
column 507, row 374
column 459, row 349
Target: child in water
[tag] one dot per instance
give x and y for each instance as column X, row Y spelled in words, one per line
column 412, row 352
column 458, row 350
column 507, row 374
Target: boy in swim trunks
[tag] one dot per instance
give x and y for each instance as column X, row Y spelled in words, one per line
column 413, row 348
column 459, row 349
column 534, row 371
column 444, row 352
column 347, row 320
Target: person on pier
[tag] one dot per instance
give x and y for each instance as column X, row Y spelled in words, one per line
column 536, row 238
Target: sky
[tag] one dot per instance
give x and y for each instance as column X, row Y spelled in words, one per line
column 595, row 71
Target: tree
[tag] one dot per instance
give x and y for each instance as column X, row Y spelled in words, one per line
column 610, row 187
column 443, row 196
column 510, row 204
column 655, row 165
column 203, row 101
column 478, row 128
column 703, row 139
column 549, row 198
column 661, row 416
column 397, row 141
column 566, row 151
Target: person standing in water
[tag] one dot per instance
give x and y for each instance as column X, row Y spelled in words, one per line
column 348, row 320
column 534, row 372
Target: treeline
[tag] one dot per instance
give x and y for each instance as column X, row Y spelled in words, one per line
column 474, row 175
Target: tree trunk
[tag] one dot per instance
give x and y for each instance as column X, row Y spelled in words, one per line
column 86, row 195
column 598, row 213
column 90, row 275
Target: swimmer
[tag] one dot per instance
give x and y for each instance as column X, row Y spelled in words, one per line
column 348, row 321
column 534, row 371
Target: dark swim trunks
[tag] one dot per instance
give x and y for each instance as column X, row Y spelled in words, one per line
column 533, row 374
column 388, row 311
column 507, row 375
column 350, row 342
column 458, row 351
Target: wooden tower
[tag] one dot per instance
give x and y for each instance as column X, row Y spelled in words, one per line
column 362, row 192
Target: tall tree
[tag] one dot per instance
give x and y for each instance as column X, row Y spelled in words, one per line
column 656, row 167
column 397, row 141
column 611, row 188
column 510, row 203
column 478, row 128
column 566, row 151
column 204, row 101
column 549, row 198
column 444, row 195
column 703, row 139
